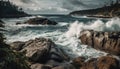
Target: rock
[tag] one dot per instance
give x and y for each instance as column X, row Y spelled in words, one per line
column 41, row 50
column 39, row 66
column 65, row 66
column 10, row 59
column 38, row 50
column 104, row 41
column 78, row 62
column 39, row 20
column 103, row 62
column 18, row 45
column 18, row 23
column 107, row 62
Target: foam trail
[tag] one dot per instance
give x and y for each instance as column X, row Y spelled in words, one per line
column 98, row 25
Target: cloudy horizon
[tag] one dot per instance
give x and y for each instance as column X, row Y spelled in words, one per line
column 58, row 6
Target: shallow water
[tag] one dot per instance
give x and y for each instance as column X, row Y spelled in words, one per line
column 65, row 34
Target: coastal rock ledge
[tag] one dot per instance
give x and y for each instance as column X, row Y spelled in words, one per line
column 39, row 20
column 104, row 41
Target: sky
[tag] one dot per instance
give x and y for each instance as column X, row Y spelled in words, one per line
column 58, row 6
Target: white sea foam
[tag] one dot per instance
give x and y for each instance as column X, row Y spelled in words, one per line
column 98, row 25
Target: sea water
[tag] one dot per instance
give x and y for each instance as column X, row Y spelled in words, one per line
column 65, row 34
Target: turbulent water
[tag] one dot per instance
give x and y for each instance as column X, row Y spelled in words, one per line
column 65, row 34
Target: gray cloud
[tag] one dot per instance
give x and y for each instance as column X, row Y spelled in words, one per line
column 59, row 6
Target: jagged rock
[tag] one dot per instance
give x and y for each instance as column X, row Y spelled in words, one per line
column 107, row 62
column 38, row 20
column 39, row 66
column 41, row 50
column 103, row 62
column 78, row 62
column 65, row 66
column 18, row 45
column 105, row 41
column 38, row 49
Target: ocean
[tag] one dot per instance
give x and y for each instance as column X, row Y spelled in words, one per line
column 65, row 34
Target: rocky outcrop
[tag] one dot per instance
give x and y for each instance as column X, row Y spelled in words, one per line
column 38, row 20
column 10, row 59
column 107, row 11
column 104, row 62
column 41, row 51
column 65, row 66
column 104, row 41
column 39, row 66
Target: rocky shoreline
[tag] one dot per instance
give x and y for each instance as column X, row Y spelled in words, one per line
column 43, row 53
column 107, row 11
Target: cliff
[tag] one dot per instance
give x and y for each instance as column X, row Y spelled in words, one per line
column 9, row 10
column 112, row 10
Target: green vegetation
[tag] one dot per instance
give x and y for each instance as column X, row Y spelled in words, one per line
column 10, row 59
column 9, row 10
column 112, row 10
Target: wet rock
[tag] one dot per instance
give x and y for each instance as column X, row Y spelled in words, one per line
column 65, row 66
column 107, row 62
column 104, row 62
column 39, row 20
column 18, row 45
column 105, row 41
column 41, row 50
column 38, row 49
column 39, row 66
column 78, row 62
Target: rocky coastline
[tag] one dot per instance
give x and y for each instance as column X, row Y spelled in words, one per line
column 43, row 53
column 110, row 11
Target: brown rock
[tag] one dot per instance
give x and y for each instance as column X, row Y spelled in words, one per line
column 18, row 45
column 78, row 62
column 39, row 20
column 105, row 41
column 105, row 62
column 38, row 49
column 39, row 66
column 65, row 66
column 42, row 50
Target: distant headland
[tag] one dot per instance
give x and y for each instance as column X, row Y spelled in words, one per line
column 9, row 10
column 112, row 10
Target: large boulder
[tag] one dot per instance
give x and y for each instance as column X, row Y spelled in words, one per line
column 39, row 20
column 105, row 41
column 38, row 49
column 103, row 62
column 41, row 50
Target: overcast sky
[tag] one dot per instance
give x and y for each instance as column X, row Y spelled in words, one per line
column 58, row 6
